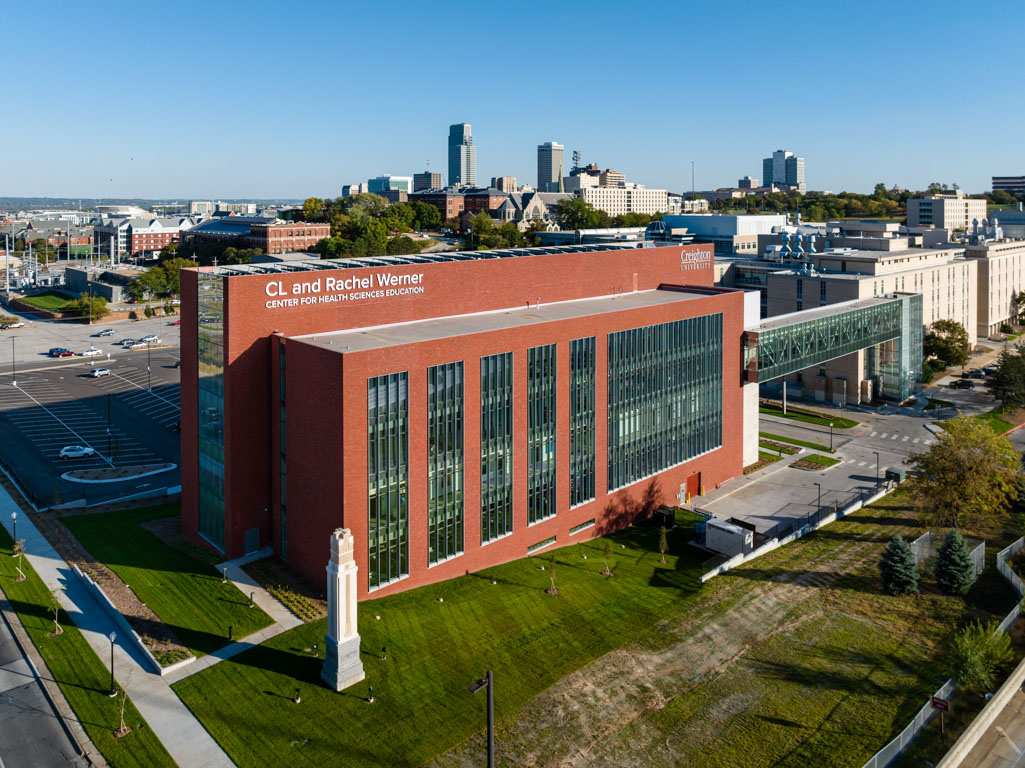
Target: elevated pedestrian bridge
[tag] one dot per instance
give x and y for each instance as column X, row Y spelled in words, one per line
column 889, row 326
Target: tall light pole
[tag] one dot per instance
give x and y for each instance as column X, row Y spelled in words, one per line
column 14, row 371
column 830, row 434
column 877, row 465
column 149, row 375
column 14, row 528
column 489, row 683
column 818, row 506
column 108, row 426
column 113, row 691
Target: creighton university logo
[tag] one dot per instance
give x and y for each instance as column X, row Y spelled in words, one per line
column 695, row 259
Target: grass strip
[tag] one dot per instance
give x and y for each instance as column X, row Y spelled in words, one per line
column 795, row 441
column 185, row 593
column 772, row 445
column 82, row 676
column 51, row 301
column 839, row 422
column 823, row 461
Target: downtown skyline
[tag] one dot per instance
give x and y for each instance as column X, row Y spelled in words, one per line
column 197, row 113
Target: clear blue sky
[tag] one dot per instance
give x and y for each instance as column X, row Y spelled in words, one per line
column 273, row 99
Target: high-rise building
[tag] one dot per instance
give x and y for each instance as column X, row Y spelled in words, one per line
column 783, row 169
column 747, row 183
column 950, row 210
column 504, row 183
column 549, row 166
column 425, row 181
column 462, row 156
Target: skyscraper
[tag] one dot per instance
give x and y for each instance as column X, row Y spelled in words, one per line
column 462, row 156
column 783, row 169
column 549, row 167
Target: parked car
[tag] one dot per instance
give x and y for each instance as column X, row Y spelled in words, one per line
column 125, row 342
column 176, row 322
column 976, row 374
column 148, row 339
column 96, row 373
column 76, row 452
column 175, row 302
column 104, row 332
column 18, row 324
column 178, row 425
column 962, row 384
column 138, row 345
column 61, row 352
column 990, row 370
column 177, row 363
column 91, row 352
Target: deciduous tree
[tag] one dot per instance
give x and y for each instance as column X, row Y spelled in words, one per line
column 969, row 476
column 1007, row 384
column 947, row 340
column 977, row 653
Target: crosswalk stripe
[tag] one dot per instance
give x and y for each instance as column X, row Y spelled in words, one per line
column 861, row 463
column 905, row 439
column 895, row 437
column 873, row 434
column 882, row 436
column 917, row 439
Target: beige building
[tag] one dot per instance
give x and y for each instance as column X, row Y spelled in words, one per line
column 947, row 281
column 1001, row 276
column 946, row 211
column 631, row 198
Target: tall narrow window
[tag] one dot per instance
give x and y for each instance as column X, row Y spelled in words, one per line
column 496, row 411
column 210, row 395
column 581, row 420
column 540, row 432
column 665, row 396
column 444, row 461
column 387, row 478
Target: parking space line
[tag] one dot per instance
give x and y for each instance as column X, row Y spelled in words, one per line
column 58, row 420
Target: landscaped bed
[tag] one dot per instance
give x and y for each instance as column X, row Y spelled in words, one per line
column 795, row 441
column 814, row 461
column 49, row 301
column 185, row 593
column 807, row 416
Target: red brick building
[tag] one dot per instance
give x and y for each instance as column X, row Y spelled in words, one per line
column 486, row 200
column 450, row 202
column 285, row 236
column 454, row 410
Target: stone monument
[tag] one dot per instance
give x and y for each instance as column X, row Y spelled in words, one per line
column 342, row 664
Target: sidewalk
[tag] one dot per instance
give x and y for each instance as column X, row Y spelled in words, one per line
column 182, row 735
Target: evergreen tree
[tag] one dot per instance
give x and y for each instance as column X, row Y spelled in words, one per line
column 897, row 566
column 955, row 570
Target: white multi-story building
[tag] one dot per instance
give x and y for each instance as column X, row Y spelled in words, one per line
column 945, row 211
column 549, row 166
column 629, row 198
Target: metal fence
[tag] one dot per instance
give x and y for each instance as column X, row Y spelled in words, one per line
column 928, row 545
column 887, row 754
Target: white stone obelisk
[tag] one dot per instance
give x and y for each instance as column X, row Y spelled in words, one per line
column 342, row 664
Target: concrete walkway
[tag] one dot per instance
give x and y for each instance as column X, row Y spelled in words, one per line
column 181, row 733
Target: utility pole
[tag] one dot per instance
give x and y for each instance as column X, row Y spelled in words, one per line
column 108, row 426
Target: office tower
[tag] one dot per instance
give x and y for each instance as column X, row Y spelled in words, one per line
column 504, row 183
column 783, row 169
column 549, row 166
column 426, row 181
column 462, row 156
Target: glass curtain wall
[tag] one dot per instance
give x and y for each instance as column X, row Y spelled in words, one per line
column 284, row 477
column 387, row 478
column 210, row 386
column 445, row 460
column 581, row 420
column 541, row 381
column 496, row 423
column 665, row 396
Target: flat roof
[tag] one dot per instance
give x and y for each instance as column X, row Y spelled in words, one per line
column 313, row 263
column 829, row 310
column 362, row 339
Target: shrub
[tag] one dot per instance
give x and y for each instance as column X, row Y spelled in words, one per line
column 978, row 651
column 148, row 311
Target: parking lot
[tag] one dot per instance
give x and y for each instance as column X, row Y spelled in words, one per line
column 128, row 417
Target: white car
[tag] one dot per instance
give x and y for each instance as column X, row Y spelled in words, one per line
column 95, row 373
column 16, row 325
column 91, row 351
column 138, row 345
column 148, row 339
column 77, row 452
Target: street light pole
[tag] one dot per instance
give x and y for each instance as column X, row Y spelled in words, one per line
column 149, row 376
column 14, row 527
column 108, row 425
column 113, row 691
column 830, row 434
column 14, row 365
column 818, row 504
column 489, row 683
column 877, row 465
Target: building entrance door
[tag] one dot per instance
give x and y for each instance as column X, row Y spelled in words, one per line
column 694, row 485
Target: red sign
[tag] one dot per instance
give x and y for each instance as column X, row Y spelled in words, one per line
column 943, row 705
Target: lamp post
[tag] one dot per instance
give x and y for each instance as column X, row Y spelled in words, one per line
column 149, row 377
column 14, row 528
column 830, row 434
column 489, row 683
column 14, row 365
column 113, row 691
column 877, row 465
column 818, row 504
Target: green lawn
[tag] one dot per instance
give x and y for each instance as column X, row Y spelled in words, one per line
column 51, row 301
column 838, row 423
column 82, row 676
column 435, row 650
column 795, row 441
column 996, row 422
column 825, row 461
column 771, row 446
column 837, row 672
column 935, row 403
column 185, row 593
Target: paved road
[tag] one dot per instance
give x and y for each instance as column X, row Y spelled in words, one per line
column 31, row 735
column 1003, row 745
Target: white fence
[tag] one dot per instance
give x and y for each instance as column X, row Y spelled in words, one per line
column 887, row 754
